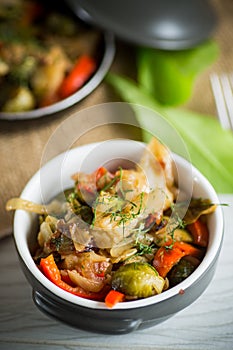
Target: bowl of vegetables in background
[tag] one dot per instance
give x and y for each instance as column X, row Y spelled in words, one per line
column 49, row 59
column 131, row 244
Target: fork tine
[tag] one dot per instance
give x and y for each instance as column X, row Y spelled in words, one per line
column 220, row 101
column 230, row 76
column 227, row 91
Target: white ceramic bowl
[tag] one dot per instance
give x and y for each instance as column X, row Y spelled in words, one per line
column 94, row 316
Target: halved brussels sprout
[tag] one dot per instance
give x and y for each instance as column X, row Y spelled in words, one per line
column 139, row 280
column 182, row 270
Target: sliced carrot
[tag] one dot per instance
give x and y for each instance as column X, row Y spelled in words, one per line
column 165, row 258
column 81, row 72
column 113, row 297
column 199, row 232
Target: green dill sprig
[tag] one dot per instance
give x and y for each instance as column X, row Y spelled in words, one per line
column 117, row 202
column 111, row 183
column 130, row 215
column 175, row 222
column 144, row 249
column 117, row 209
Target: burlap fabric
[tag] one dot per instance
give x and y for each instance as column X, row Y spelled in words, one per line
column 22, row 142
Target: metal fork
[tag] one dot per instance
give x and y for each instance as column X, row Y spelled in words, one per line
column 222, row 87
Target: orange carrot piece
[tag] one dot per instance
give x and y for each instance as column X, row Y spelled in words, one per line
column 113, row 297
column 165, row 258
column 81, row 72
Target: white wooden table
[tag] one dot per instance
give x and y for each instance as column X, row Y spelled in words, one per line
column 206, row 324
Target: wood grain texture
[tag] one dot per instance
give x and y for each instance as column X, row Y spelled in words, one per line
column 206, row 324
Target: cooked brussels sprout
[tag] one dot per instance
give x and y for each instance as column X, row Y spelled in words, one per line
column 139, row 280
column 182, row 270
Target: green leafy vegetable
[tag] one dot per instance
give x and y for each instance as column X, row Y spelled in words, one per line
column 210, row 147
column 170, row 75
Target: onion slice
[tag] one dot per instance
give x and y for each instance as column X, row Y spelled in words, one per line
column 24, row 204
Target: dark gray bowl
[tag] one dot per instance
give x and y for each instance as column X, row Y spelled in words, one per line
column 94, row 316
column 103, row 68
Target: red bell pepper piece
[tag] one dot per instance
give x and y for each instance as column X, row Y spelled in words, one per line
column 81, row 72
column 113, row 297
column 100, row 172
column 51, row 271
column 199, row 232
column 165, row 258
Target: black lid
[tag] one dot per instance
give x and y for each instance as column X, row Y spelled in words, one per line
column 163, row 24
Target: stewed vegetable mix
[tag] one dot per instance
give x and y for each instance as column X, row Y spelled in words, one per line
column 46, row 54
column 121, row 235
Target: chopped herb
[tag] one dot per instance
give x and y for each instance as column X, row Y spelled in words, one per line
column 61, row 243
column 174, row 223
column 144, row 249
column 110, row 184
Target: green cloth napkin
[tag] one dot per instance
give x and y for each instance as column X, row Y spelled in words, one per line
column 169, row 76
column 209, row 146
